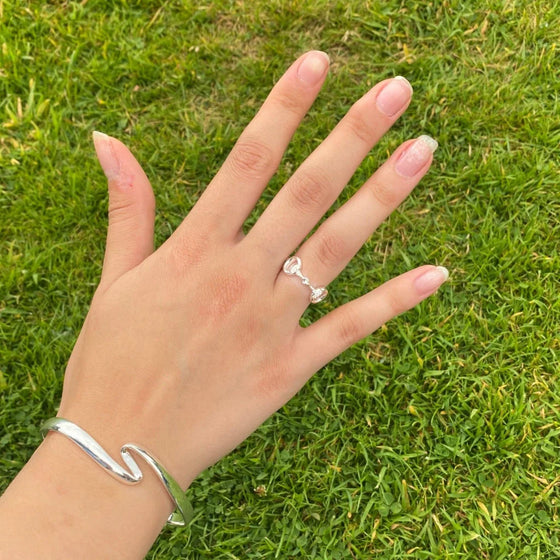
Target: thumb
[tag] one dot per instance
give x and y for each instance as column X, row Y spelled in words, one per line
column 130, row 236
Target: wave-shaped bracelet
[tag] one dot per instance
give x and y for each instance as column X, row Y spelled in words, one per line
column 184, row 513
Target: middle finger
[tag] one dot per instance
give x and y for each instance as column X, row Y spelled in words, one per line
column 312, row 189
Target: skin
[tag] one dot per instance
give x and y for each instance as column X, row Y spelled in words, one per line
column 186, row 350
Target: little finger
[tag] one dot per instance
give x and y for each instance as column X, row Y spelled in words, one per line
column 325, row 339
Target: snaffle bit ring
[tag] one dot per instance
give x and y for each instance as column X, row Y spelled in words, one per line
column 292, row 267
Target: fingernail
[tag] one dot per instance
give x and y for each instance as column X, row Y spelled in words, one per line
column 431, row 280
column 416, row 156
column 313, row 67
column 105, row 154
column 394, row 96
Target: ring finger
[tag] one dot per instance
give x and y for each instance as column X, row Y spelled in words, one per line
column 325, row 254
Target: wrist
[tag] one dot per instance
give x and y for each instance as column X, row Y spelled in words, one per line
column 130, row 453
column 75, row 507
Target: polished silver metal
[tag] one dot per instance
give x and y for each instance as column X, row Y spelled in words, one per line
column 292, row 267
column 86, row 443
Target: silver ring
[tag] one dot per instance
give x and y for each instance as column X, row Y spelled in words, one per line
column 292, row 267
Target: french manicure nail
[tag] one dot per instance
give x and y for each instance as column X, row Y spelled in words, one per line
column 394, row 96
column 313, row 67
column 105, row 154
column 431, row 280
column 416, row 156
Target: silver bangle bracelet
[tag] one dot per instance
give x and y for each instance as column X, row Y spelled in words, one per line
column 184, row 513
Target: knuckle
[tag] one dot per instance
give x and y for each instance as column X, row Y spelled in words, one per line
column 251, row 159
column 331, row 249
column 121, row 209
column 184, row 254
column 350, row 328
column 288, row 101
column 396, row 303
column 360, row 126
column 309, row 191
column 383, row 194
column 226, row 294
column 125, row 202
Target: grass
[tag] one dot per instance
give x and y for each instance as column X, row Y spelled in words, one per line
column 437, row 437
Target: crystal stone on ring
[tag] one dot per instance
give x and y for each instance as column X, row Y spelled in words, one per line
column 292, row 265
column 318, row 294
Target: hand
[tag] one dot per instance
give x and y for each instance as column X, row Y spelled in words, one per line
column 187, row 349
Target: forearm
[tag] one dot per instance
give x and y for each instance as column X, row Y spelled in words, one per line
column 62, row 505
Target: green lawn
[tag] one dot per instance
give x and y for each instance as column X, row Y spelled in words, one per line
column 437, row 437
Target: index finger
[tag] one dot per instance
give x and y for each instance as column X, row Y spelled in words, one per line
column 237, row 186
